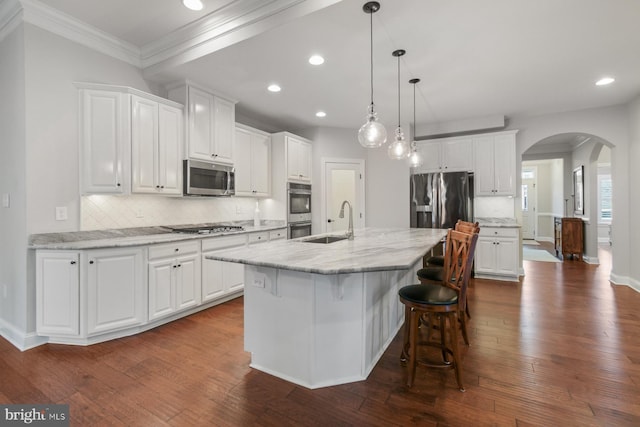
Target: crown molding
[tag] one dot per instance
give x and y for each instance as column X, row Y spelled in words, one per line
column 233, row 23
column 10, row 17
column 56, row 22
column 236, row 21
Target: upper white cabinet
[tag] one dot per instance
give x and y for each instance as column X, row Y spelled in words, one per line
column 129, row 141
column 495, row 164
column 156, row 141
column 210, row 123
column 446, row 155
column 292, row 153
column 252, row 162
column 104, row 141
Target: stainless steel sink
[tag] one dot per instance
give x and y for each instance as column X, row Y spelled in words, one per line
column 325, row 239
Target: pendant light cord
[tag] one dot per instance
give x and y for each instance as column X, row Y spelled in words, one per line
column 371, row 56
column 398, row 90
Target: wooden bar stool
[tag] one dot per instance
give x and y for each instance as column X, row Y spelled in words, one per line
column 433, row 272
column 442, row 303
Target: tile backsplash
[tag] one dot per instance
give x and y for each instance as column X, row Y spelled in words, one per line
column 105, row 212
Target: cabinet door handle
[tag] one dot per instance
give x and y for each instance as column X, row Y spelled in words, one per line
column 91, row 262
column 118, row 184
column 73, row 262
column 157, row 186
column 177, row 250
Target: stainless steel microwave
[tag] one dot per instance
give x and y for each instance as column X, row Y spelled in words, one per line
column 207, row 179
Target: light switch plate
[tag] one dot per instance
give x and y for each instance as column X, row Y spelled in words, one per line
column 6, row 200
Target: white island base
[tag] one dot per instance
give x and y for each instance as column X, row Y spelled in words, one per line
column 319, row 330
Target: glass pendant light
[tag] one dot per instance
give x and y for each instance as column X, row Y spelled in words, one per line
column 372, row 134
column 398, row 149
column 415, row 158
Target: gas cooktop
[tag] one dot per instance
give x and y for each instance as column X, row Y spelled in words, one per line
column 207, row 229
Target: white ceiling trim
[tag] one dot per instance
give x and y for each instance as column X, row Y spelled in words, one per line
column 50, row 19
column 238, row 21
column 10, row 17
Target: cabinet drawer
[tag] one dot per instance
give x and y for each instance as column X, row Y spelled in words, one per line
column 278, row 234
column 173, row 249
column 498, row 232
column 258, row 237
column 215, row 243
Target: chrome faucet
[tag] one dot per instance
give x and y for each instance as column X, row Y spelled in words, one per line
column 341, row 215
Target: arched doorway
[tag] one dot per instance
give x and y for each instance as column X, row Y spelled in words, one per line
column 558, row 156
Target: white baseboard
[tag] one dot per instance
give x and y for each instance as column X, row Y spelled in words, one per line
column 21, row 340
column 625, row 281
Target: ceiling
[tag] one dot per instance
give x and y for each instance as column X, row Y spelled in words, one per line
column 474, row 58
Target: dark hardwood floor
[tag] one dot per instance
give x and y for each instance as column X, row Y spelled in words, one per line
column 561, row 348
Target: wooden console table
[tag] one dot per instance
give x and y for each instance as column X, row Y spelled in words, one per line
column 568, row 237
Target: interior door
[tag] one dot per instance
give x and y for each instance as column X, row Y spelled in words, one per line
column 343, row 181
column 529, row 208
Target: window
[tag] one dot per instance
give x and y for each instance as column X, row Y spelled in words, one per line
column 604, row 198
column 525, row 197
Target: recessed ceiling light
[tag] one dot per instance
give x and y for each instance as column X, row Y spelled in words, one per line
column 274, row 88
column 316, row 60
column 605, row 81
column 321, row 114
column 193, row 4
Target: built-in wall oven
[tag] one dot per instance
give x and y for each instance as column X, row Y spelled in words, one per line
column 298, row 210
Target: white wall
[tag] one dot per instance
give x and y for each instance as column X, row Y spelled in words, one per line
column 53, row 64
column 621, row 225
column 13, row 220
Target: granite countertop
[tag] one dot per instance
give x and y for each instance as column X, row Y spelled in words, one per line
column 373, row 249
column 497, row 222
column 96, row 239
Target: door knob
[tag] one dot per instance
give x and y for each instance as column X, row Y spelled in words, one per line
column 329, row 220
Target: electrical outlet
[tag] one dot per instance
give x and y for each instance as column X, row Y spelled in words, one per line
column 139, row 213
column 61, row 213
column 6, row 200
column 258, row 282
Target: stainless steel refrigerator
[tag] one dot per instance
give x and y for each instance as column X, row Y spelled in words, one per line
column 439, row 200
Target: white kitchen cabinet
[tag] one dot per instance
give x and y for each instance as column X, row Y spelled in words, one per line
column 298, row 159
column 446, row 155
column 495, row 164
column 278, row 234
column 292, row 154
column 219, row 278
column 174, row 278
column 115, row 289
column 497, row 253
column 252, row 162
column 57, row 293
column 111, row 298
column 210, row 123
column 104, row 141
column 156, row 140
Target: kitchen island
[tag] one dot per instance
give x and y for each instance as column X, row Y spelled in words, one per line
column 322, row 314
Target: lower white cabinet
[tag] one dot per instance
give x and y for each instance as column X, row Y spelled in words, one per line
column 113, row 298
column 174, row 278
column 221, row 278
column 57, row 293
column 92, row 295
column 497, row 253
column 115, row 289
